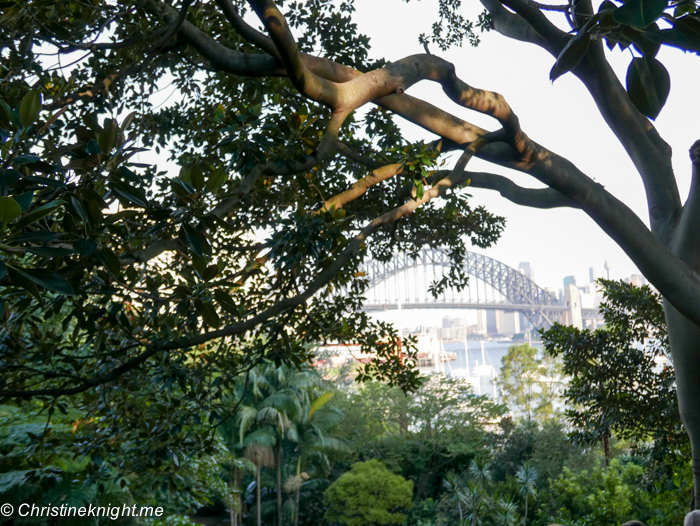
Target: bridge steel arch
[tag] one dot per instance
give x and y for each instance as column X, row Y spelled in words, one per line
column 540, row 307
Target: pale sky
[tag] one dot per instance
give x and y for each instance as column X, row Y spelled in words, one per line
column 560, row 116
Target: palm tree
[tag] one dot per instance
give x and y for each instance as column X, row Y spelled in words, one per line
column 506, row 512
column 312, row 440
column 527, row 479
column 274, row 402
column 455, row 486
column 480, row 471
column 474, row 499
column 262, row 456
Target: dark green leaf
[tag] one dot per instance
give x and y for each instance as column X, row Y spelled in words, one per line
column 195, row 240
column 8, row 116
column 571, row 55
column 29, row 108
column 9, row 210
column 197, row 178
column 37, row 214
column 225, row 301
column 84, row 246
column 648, row 85
column 47, row 279
column 50, row 252
column 93, row 147
column 130, row 194
column 79, row 210
column 46, row 181
column 639, row 13
column 24, row 200
column 21, row 280
column 25, row 159
column 208, row 313
column 3, row 269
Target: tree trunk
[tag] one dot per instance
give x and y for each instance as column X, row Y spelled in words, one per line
column 280, row 456
column 685, row 351
column 525, row 517
column 606, row 448
column 461, row 516
column 296, row 512
column 257, row 490
column 296, row 496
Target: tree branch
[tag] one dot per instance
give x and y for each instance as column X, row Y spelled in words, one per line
column 512, row 25
column 532, row 197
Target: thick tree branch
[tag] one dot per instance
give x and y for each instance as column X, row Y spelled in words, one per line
column 251, row 34
column 227, row 59
column 512, row 25
column 346, row 151
column 532, row 197
column 555, row 39
column 361, row 186
column 686, row 242
column 649, row 153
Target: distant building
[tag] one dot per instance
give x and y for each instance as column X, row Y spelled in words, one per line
column 572, row 299
column 592, row 276
column 569, row 280
column 527, row 270
column 501, row 323
column 637, row 280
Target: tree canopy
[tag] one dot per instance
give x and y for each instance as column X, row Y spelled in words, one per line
column 120, row 277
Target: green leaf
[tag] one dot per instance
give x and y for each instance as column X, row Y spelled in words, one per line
column 21, row 280
column 25, row 159
column 84, row 246
column 195, row 240
column 46, row 181
column 216, row 178
column 208, row 313
column 197, row 178
column 684, row 35
column 29, row 108
column 3, row 269
column 37, row 214
column 420, row 189
column 24, row 200
column 108, row 136
column 639, row 13
column 648, row 85
column 8, row 116
column 8, row 178
column 79, row 210
column 226, row 302
column 50, row 252
column 9, row 210
column 47, row 279
column 129, row 193
column 571, row 55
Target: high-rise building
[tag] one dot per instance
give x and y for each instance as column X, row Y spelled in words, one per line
column 569, row 280
column 527, row 270
column 592, row 276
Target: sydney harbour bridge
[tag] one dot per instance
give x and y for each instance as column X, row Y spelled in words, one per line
column 403, row 282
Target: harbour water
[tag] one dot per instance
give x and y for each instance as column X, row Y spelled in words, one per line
column 478, row 366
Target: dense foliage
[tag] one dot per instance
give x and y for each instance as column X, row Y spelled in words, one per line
column 157, row 313
column 621, row 377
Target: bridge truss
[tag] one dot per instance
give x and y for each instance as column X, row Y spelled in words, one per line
column 515, row 291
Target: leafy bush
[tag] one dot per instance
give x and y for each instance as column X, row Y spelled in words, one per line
column 369, row 494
